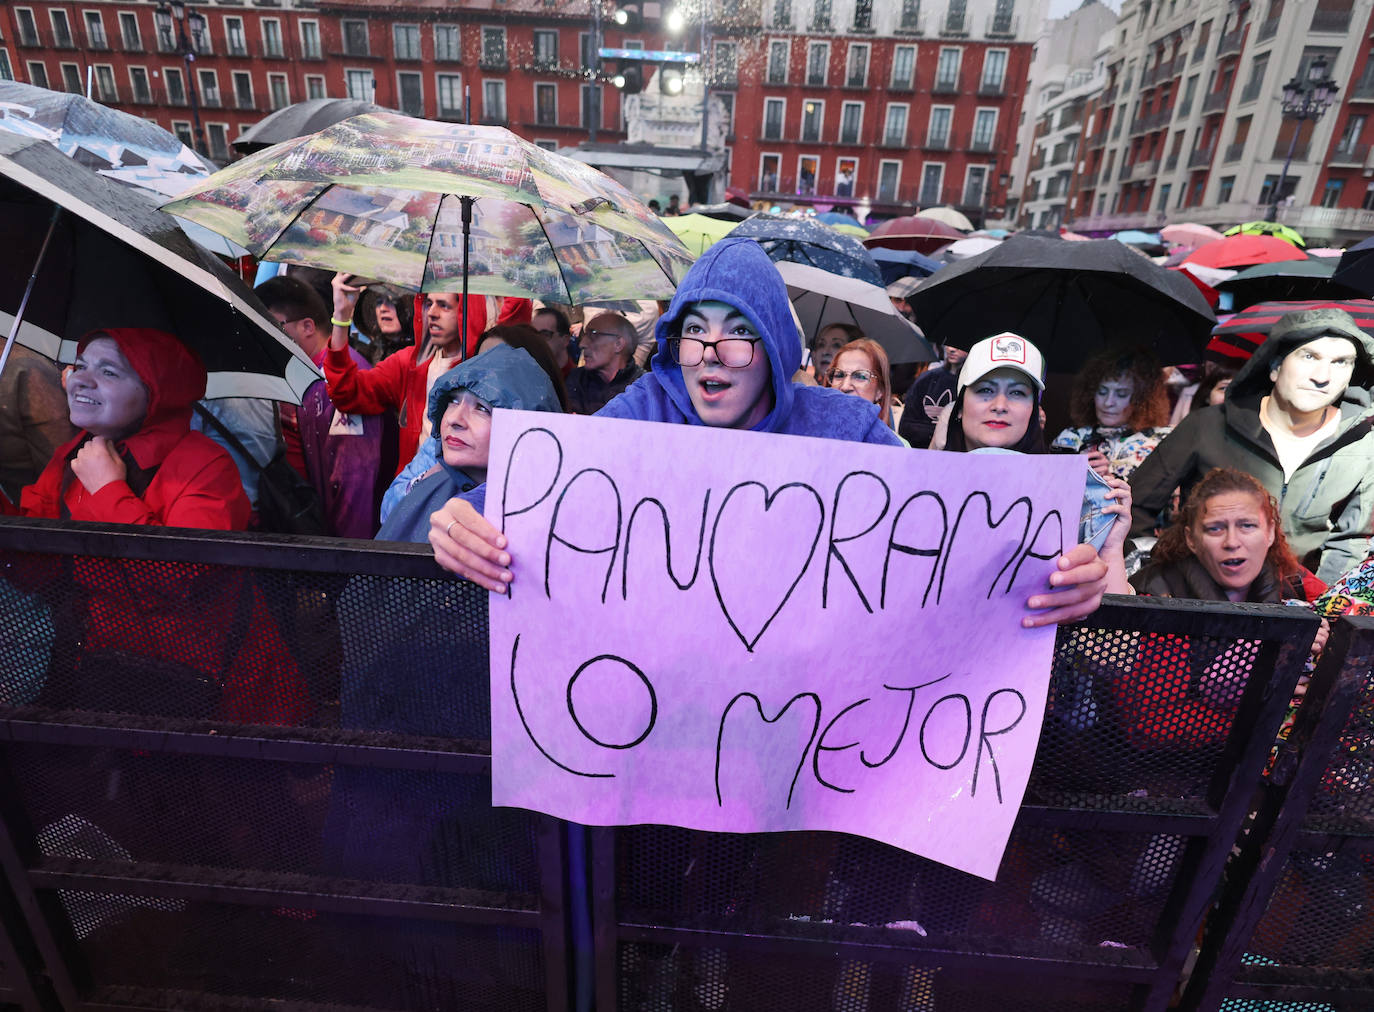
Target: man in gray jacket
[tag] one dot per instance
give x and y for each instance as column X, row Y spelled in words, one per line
column 1298, row 418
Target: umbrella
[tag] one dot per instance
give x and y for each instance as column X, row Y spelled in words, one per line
column 300, row 120
column 913, row 232
column 821, row 298
column 836, row 218
column 1068, row 236
column 1356, row 269
column 1326, row 251
column 443, row 207
column 962, row 249
column 806, row 241
column 1136, row 237
column 901, row 263
column 1070, row 298
column 1239, row 336
column 725, row 211
column 1189, row 234
column 949, row 216
column 1286, row 280
column 698, row 232
column 1268, row 228
column 1041, row 233
column 83, row 252
column 1245, row 251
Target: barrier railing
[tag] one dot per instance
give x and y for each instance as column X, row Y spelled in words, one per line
column 241, row 771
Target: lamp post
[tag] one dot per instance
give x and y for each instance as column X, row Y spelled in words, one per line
column 175, row 10
column 1303, row 100
column 676, row 21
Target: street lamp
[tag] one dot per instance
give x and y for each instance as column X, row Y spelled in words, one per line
column 175, row 10
column 1303, row 100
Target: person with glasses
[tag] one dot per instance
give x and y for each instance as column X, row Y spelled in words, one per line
column 552, row 325
column 728, row 347
column 608, row 368
column 860, row 369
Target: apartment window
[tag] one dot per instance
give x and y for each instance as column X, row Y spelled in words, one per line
column 727, row 101
column 1225, row 188
column 494, row 101
column 360, row 85
column 176, row 86
column 95, row 31
column 243, row 89
column 546, row 145
column 889, row 178
column 975, row 181
column 894, row 126
column 726, row 65
column 310, row 40
column 932, row 182
column 820, row 16
column 1269, row 192
column 994, row 69
column 219, row 141
column 355, row 38
column 71, row 79
column 28, row 28
column 863, row 15
column 61, row 29
column 545, row 48
column 586, row 51
column 546, row 104
column 1002, row 21
column 234, row 41
column 851, row 122
column 817, row 64
column 937, row 134
column 450, row 91
column 1350, row 137
column 493, row 47
column 271, row 39
column 1368, row 203
column 139, row 87
column 411, row 92
column 591, row 105
column 105, row 88
column 808, row 167
column 183, row 131
column 279, row 90
column 38, row 74
column 813, row 120
column 773, row 111
column 406, row 41
column 314, row 86
column 1331, row 194
column 947, row 70
column 911, row 16
column 768, row 172
column 856, row 67
column 777, row 62
column 1164, row 190
column 446, row 43
column 782, row 13
column 903, row 66
column 984, row 124
column 6, row 71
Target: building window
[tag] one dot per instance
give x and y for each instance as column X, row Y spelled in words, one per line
column 813, row 120
column 405, row 40
column 1269, row 192
column 984, row 125
column 279, row 90
column 355, row 38
column 932, row 182
column 176, row 87
column 889, row 178
column 493, row 47
column 894, row 126
column 494, row 101
column 1164, row 191
column 28, row 27
column 139, row 87
column 777, row 62
column 95, row 31
column 314, row 86
column 856, row 67
column 975, row 183
column 1368, row 203
column 727, row 101
column 71, row 79
column 782, row 13
column 1225, row 188
column 450, row 91
column 1331, row 194
column 209, row 88
column 545, row 49
column 546, row 145
column 235, row 44
column 243, row 89
column 360, row 85
column 591, row 106
column 310, row 40
column 937, row 135
column 817, row 64
column 271, row 39
column 546, row 104
column 903, row 66
column 410, row 86
column 6, row 71
column 1002, row 22
column 846, row 171
column 726, row 68
column 994, row 70
column 851, row 122
column 947, row 70
column 38, row 74
column 446, row 44
column 911, row 16
column 863, row 15
column 768, row 173
column 129, row 33
column 808, row 167
column 219, row 141
column 773, row 111
column 61, row 29
column 183, row 131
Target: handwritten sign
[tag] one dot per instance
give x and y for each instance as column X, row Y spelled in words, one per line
column 747, row 633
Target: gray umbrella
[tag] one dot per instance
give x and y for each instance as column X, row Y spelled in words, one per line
column 308, row 117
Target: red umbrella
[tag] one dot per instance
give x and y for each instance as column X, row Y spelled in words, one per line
column 1237, row 338
column 1245, row 251
column 925, row 235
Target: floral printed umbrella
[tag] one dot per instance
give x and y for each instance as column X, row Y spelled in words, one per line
column 442, row 207
column 802, row 241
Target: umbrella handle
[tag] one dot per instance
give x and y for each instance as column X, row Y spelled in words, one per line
column 28, row 289
column 467, row 232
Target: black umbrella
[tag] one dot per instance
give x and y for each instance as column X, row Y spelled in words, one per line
column 1285, row 280
column 1356, row 268
column 308, row 117
column 1070, row 298
column 82, row 253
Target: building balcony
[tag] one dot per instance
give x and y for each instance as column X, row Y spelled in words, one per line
column 1215, row 102
column 954, row 26
column 98, row 43
column 991, row 89
column 211, row 100
column 1231, row 42
column 1251, row 91
column 911, row 25
column 1199, row 53
column 245, row 103
column 272, row 51
column 1349, row 154
column 63, row 40
column 1362, row 90
column 1124, row 173
column 979, row 145
column 497, row 63
column 1268, row 29
column 132, row 46
column 1281, row 151
column 236, row 47
column 1171, row 163
column 1108, row 97
column 1233, row 153
column 1184, row 108
column 945, row 86
column 1333, row 22
column 1201, row 158
column 939, row 143
column 1002, row 26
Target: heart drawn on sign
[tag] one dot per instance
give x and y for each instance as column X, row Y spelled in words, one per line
column 752, row 589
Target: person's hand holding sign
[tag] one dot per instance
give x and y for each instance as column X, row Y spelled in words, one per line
column 465, row 543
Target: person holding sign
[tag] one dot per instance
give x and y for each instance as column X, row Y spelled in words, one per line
column 728, row 347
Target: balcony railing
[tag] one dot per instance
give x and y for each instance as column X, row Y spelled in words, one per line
column 937, row 142
column 33, row 40
column 979, row 144
column 954, row 25
column 1124, row 173
column 894, row 139
column 245, row 103
column 945, row 86
column 991, row 89
column 1334, row 21
column 1231, row 42
column 911, row 24
column 131, row 46
column 273, row 50
column 1281, row 150
column 1215, row 102
column 1202, row 157
column 97, row 41
column 236, row 47
column 1349, row 154
column 1184, row 107
column 1233, row 153
column 63, row 40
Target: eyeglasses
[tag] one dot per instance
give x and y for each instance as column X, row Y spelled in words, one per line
column 731, row 352
column 858, row 376
column 283, row 324
column 597, row 335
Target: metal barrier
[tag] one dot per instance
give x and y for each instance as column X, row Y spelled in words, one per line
column 242, row 772
column 1293, row 929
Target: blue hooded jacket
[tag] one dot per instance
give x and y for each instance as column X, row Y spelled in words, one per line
column 503, row 377
column 737, row 271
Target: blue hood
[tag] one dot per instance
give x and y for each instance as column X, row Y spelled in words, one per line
column 502, row 376
column 737, row 272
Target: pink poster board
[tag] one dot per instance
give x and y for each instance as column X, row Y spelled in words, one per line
column 749, row 633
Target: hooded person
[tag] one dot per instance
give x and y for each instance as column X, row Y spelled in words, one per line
column 136, row 459
column 728, row 346
column 1297, row 417
column 460, row 417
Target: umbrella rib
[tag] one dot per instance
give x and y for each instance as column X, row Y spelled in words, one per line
column 310, row 202
column 552, row 248
column 429, row 247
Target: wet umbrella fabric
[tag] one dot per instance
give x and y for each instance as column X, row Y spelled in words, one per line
column 836, row 218
column 903, row 263
column 948, row 215
column 800, row 241
column 300, row 120
column 698, row 232
column 1356, row 268
column 1287, row 280
column 821, row 298
column 925, row 235
column 1070, row 298
column 1245, row 251
column 1189, row 235
column 117, row 261
column 1269, row 228
column 1238, row 337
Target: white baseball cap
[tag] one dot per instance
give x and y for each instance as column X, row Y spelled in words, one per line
column 1003, row 351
